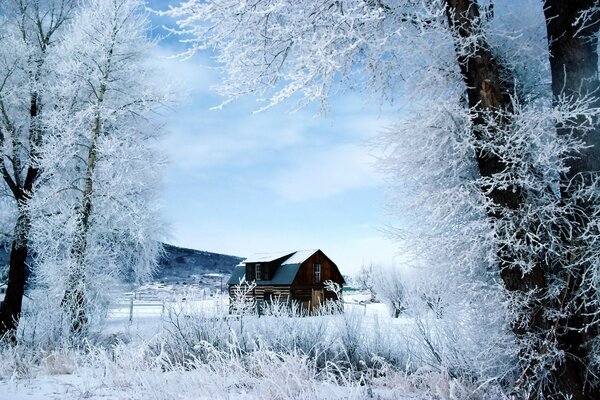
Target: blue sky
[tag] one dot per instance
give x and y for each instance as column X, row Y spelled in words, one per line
column 239, row 182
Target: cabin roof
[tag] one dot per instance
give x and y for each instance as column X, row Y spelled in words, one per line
column 291, row 257
column 237, row 275
column 267, row 257
column 284, row 275
column 299, row 257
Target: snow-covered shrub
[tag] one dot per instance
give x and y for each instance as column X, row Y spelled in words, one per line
column 366, row 280
column 242, row 300
column 389, row 284
column 43, row 323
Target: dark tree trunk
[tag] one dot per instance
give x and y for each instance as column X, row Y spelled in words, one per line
column 22, row 181
column 488, row 94
column 10, row 311
column 574, row 69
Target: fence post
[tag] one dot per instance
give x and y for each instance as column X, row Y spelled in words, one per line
column 131, row 309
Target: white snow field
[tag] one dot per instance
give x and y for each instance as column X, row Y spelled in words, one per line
column 186, row 346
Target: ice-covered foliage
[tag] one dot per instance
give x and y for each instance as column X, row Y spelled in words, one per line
column 242, row 299
column 282, row 49
column 30, row 34
column 282, row 353
column 96, row 216
column 391, row 288
column 365, row 279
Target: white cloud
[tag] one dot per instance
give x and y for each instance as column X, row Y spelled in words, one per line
column 185, row 75
column 325, row 173
column 196, row 143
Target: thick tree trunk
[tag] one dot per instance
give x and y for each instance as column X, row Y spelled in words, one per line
column 574, row 68
column 21, row 189
column 489, row 94
column 10, row 311
column 22, row 181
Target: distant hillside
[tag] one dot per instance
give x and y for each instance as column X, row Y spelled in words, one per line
column 178, row 264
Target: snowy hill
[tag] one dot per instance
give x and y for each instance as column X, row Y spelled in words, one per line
column 178, row 265
column 185, row 265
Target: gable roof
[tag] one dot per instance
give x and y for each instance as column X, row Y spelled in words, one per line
column 267, row 257
column 299, row 257
column 237, row 275
column 284, row 273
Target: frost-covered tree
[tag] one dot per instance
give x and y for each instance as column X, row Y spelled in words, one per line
column 366, row 279
column 97, row 216
column 493, row 171
column 390, row 286
column 29, row 34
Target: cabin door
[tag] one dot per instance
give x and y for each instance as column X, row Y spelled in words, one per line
column 317, row 298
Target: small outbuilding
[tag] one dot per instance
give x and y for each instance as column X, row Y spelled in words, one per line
column 297, row 276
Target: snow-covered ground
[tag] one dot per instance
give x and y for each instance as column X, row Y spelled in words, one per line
column 142, row 369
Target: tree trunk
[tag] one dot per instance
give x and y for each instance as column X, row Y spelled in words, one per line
column 488, row 94
column 10, row 311
column 45, row 23
column 574, row 69
column 75, row 297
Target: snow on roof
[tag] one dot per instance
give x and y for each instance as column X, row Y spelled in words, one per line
column 297, row 257
column 267, row 257
column 284, row 274
column 300, row 256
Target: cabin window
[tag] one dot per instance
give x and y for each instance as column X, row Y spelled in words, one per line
column 317, row 272
column 258, row 272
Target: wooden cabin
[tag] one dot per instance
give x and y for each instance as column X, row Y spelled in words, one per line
column 297, row 276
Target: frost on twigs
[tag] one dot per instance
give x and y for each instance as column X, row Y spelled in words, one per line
column 95, row 216
column 304, row 51
column 242, row 299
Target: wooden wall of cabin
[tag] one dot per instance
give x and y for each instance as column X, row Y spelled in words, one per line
column 277, row 292
column 304, row 284
column 281, row 292
column 304, row 293
column 306, row 273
